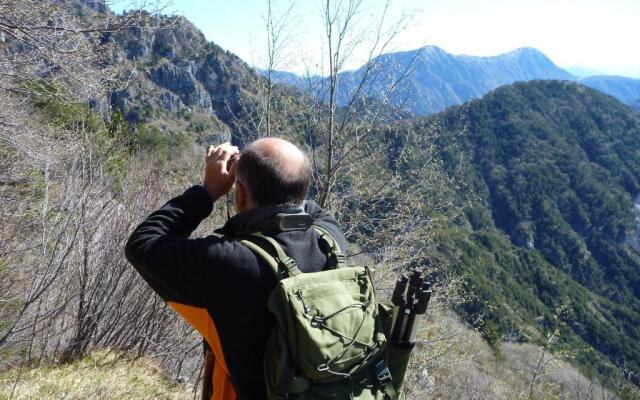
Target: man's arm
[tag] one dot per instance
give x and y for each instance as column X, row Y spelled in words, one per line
column 160, row 248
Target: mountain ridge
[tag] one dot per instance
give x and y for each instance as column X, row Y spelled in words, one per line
column 625, row 89
column 180, row 82
column 441, row 79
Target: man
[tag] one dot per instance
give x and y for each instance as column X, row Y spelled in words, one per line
column 217, row 284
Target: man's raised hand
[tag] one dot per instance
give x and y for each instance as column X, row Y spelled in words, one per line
column 218, row 180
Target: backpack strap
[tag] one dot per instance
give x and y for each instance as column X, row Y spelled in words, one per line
column 329, row 246
column 281, row 264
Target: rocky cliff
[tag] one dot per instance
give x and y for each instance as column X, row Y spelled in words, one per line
column 180, row 82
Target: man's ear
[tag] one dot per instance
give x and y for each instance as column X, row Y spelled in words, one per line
column 242, row 201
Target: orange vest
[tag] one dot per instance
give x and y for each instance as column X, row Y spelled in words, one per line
column 200, row 319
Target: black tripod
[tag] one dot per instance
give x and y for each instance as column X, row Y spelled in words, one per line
column 411, row 297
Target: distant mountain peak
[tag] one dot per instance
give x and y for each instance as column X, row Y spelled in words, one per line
column 526, row 51
column 432, row 49
column 441, row 79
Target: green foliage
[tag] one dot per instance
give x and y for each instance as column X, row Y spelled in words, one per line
column 553, row 166
column 110, row 138
column 493, row 337
column 163, row 145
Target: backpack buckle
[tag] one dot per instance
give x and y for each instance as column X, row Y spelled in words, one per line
column 382, row 373
column 289, row 265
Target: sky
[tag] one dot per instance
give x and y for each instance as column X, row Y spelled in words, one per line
column 601, row 35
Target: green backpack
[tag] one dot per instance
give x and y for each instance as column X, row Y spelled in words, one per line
column 330, row 338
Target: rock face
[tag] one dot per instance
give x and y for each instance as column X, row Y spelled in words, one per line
column 176, row 75
column 179, row 79
column 135, row 49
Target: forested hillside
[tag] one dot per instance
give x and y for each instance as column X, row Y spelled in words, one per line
column 554, row 168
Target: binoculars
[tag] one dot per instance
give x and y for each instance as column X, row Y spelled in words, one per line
column 411, row 297
column 231, row 161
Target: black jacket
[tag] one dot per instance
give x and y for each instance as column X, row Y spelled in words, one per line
column 218, row 285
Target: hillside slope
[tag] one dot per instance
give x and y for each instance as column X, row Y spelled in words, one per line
column 466, row 368
column 627, row 90
column 554, row 166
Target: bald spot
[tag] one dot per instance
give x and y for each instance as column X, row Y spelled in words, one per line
column 290, row 160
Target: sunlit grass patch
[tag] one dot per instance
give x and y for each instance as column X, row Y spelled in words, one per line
column 101, row 375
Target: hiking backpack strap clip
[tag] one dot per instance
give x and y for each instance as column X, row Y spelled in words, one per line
column 329, row 246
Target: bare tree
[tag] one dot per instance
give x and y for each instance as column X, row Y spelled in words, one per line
column 384, row 178
column 548, row 356
column 272, row 110
column 278, row 35
column 70, row 191
column 345, row 119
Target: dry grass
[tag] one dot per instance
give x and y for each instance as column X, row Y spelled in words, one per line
column 101, row 375
column 454, row 362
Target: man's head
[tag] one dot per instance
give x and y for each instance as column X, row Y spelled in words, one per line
column 271, row 172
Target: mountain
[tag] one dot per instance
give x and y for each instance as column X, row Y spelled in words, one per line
column 553, row 167
column 627, row 90
column 582, row 72
column 440, row 79
column 180, row 83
